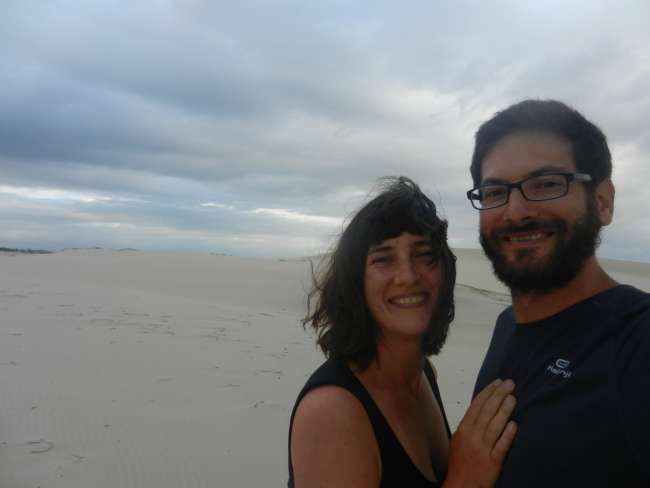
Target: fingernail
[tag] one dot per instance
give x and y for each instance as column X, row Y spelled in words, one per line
column 497, row 382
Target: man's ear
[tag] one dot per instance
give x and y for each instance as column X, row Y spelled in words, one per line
column 604, row 195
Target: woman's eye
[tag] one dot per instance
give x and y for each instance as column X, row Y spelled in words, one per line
column 427, row 257
column 380, row 260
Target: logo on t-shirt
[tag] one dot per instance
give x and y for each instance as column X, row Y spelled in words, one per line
column 560, row 368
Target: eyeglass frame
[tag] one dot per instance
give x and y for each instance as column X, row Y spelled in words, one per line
column 583, row 177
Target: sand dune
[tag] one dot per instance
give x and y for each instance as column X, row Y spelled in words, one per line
column 146, row 370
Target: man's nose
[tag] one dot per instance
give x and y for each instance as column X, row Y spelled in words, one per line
column 518, row 208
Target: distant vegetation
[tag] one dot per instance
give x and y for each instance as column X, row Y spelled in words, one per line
column 24, row 251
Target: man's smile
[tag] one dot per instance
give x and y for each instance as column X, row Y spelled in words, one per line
column 526, row 238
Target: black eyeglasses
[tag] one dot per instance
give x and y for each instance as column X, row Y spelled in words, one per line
column 547, row 186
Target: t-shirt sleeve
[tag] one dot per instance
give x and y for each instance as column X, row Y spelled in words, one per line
column 633, row 385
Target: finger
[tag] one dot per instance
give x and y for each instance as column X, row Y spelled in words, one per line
column 500, row 419
column 505, row 441
column 477, row 404
column 492, row 404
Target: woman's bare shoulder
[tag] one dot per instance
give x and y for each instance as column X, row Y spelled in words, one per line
column 332, row 441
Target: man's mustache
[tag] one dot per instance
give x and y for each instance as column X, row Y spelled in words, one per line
column 532, row 226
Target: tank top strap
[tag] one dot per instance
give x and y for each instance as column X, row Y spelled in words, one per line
column 336, row 372
column 431, row 376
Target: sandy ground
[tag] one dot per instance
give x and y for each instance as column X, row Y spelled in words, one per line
column 126, row 369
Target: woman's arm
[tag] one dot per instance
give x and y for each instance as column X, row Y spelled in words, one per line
column 332, row 442
column 484, row 435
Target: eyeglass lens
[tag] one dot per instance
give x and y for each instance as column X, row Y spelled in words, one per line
column 544, row 187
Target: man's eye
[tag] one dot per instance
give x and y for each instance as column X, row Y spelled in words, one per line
column 546, row 187
column 492, row 193
column 549, row 184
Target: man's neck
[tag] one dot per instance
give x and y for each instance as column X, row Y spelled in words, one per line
column 591, row 279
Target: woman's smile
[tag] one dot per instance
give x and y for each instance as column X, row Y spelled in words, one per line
column 413, row 300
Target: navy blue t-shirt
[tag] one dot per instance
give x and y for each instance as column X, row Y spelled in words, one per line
column 583, row 392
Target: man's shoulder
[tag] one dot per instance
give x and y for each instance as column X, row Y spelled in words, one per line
column 631, row 304
column 620, row 303
column 631, row 314
column 505, row 318
column 632, row 294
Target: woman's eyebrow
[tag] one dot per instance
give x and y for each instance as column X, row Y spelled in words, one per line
column 380, row 248
column 426, row 243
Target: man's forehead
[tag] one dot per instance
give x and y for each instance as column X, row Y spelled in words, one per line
column 521, row 154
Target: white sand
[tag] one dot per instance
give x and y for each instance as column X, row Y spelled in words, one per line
column 126, row 369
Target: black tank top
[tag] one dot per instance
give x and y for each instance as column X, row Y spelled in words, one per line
column 397, row 468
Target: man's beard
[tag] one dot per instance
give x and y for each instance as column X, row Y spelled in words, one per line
column 573, row 247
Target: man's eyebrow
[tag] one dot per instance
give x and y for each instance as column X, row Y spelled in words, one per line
column 549, row 168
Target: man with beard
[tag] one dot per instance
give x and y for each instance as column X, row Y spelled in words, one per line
column 576, row 343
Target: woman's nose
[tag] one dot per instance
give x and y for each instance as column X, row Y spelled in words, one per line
column 405, row 273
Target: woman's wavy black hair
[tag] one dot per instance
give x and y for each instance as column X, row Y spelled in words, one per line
column 336, row 305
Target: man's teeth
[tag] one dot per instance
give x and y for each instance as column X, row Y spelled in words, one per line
column 527, row 237
column 409, row 300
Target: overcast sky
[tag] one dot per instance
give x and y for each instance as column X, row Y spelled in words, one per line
column 255, row 128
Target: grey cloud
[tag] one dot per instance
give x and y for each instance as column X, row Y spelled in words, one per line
column 295, row 106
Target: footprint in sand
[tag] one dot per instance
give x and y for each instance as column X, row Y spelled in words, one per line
column 40, row 446
column 216, row 334
column 275, row 372
column 102, row 321
column 232, row 319
column 271, row 405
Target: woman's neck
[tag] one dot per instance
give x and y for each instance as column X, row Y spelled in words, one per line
column 398, row 366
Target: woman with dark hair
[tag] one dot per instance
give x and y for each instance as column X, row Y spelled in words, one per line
column 371, row 415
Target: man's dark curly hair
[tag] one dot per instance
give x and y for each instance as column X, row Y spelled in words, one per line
column 588, row 143
column 337, row 309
